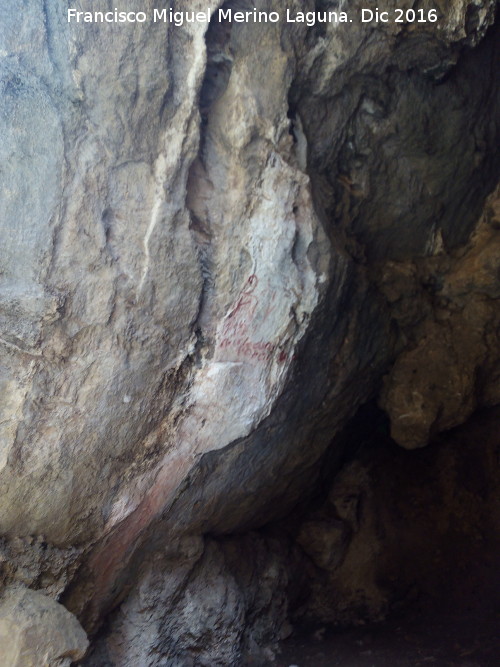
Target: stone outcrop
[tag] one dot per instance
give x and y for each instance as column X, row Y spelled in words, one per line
column 36, row 631
column 452, row 363
column 217, row 240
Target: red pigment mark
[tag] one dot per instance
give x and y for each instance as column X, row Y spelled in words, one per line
column 246, row 349
column 234, row 334
column 235, row 329
column 252, row 283
column 111, row 558
column 247, row 299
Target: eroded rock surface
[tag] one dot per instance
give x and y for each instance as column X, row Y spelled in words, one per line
column 35, row 631
column 451, row 365
column 216, row 244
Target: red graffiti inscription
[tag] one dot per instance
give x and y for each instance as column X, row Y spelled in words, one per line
column 235, row 336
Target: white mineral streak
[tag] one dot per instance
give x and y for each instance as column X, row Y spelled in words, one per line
column 256, row 339
column 172, row 147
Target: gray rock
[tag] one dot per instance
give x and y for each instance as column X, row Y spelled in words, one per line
column 214, row 242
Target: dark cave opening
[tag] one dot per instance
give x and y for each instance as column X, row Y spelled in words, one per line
column 402, row 551
column 414, row 533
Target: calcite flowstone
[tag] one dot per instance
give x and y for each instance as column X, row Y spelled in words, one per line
column 36, row 631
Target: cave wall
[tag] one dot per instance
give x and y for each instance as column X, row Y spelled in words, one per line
column 402, row 531
column 213, row 254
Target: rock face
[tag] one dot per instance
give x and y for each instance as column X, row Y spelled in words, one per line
column 35, row 631
column 452, row 365
column 216, row 242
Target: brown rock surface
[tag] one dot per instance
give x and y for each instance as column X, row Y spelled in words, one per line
column 451, row 366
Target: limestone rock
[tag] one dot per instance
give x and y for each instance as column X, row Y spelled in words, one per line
column 36, row 631
column 216, row 241
column 197, row 613
column 324, row 541
column 452, row 367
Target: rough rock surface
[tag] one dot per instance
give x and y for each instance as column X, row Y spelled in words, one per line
column 451, row 365
column 35, row 631
column 212, row 253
